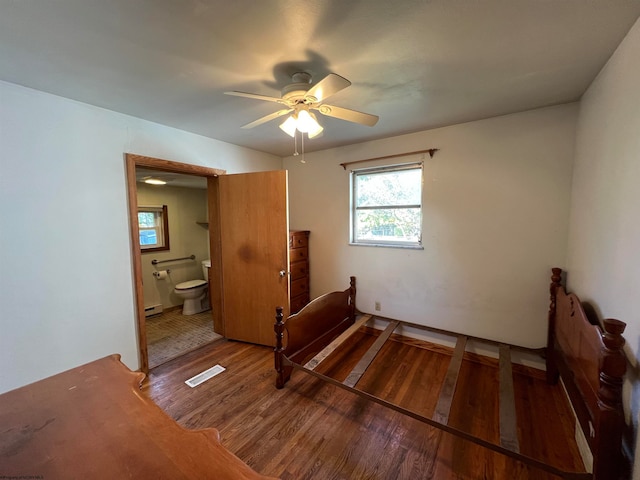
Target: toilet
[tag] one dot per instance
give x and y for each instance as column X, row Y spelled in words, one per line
column 195, row 293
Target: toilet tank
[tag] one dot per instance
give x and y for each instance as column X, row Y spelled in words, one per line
column 206, row 265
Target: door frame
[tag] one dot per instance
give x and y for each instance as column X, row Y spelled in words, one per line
column 133, row 161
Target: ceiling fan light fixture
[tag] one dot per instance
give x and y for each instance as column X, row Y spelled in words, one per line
column 289, row 126
column 306, row 123
column 315, row 131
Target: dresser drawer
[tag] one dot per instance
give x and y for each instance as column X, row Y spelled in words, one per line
column 298, row 255
column 298, row 240
column 299, row 270
column 299, row 287
column 298, row 302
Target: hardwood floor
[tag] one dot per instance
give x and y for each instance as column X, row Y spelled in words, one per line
column 313, row 430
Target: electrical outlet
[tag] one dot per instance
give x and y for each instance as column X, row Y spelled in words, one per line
column 377, row 306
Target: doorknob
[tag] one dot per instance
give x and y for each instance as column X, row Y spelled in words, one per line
column 283, row 273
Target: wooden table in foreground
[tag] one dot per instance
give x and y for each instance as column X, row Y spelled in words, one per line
column 93, row 422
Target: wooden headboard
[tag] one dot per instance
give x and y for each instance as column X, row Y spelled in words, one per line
column 591, row 363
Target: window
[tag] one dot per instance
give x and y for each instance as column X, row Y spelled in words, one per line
column 386, row 206
column 153, row 225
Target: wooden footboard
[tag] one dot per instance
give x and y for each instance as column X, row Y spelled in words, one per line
column 591, row 363
column 306, row 333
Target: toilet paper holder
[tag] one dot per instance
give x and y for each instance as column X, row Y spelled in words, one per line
column 158, row 274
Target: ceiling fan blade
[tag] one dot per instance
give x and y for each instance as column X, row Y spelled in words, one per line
column 348, row 115
column 267, row 118
column 257, row 97
column 329, row 85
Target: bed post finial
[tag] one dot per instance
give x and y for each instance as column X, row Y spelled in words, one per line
column 614, row 363
column 613, row 366
column 352, row 299
column 552, row 369
column 556, row 278
column 278, row 327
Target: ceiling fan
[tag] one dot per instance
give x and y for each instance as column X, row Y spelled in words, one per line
column 299, row 100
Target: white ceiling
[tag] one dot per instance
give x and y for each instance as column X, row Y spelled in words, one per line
column 418, row 64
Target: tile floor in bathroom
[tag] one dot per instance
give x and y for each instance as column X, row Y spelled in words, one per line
column 171, row 334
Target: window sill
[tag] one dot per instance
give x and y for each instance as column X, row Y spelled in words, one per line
column 387, row 245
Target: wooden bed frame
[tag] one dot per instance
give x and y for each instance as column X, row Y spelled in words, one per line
column 592, row 365
column 589, row 361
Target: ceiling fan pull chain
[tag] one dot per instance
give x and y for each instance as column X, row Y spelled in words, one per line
column 302, row 140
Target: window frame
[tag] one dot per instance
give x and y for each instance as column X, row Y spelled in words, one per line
column 162, row 231
column 353, row 208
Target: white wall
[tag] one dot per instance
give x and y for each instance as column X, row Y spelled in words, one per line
column 67, row 286
column 604, row 239
column 496, row 205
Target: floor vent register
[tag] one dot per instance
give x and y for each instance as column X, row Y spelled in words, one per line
column 204, row 376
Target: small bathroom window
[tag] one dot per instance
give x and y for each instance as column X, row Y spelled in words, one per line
column 153, row 226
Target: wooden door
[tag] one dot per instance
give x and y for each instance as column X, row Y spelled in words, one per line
column 254, row 247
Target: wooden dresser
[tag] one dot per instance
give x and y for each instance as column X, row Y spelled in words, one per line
column 93, row 422
column 299, row 268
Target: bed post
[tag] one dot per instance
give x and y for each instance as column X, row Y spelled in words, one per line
column 352, row 299
column 607, row 453
column 552, row 369
column 279, row 329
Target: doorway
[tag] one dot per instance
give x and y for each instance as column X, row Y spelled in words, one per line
column 248, row 247
column 133, row 163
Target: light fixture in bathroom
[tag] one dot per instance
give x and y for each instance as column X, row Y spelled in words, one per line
column 154, row 181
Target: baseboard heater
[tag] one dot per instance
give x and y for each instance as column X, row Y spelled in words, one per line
column 152, row 310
